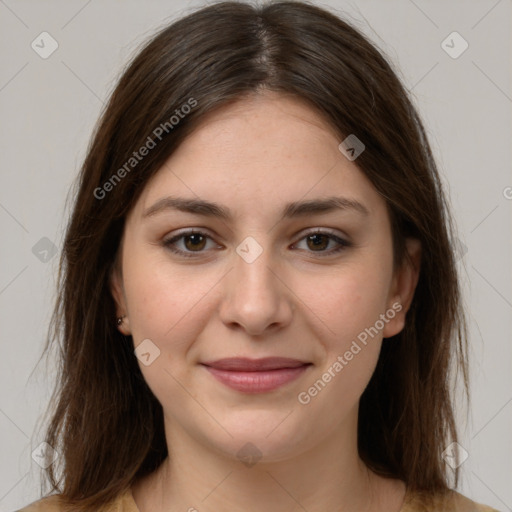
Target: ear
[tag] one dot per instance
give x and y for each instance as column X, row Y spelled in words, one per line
column 117, row 290
column 402, row 288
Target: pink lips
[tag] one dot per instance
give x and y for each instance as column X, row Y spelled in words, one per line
column 256, row 375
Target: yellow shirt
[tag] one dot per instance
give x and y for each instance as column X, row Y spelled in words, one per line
column 452, row 502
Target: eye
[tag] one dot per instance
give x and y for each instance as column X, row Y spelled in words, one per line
column 319, row 240
column 193, row 242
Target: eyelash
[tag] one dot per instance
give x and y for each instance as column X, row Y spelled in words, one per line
column 343, row 244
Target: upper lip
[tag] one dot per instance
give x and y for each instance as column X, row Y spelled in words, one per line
column 243, row 364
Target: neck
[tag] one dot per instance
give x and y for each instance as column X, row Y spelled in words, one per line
column 196, row 477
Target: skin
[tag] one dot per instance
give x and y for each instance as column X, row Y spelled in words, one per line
column 295, row 300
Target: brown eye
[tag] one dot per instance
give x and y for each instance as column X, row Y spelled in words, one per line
column 189, row 243
column 195, row 242
column 318, row 241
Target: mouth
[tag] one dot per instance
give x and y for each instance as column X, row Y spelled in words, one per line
column 256, row 375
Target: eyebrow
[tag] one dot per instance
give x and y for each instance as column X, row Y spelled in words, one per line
column 294, row 209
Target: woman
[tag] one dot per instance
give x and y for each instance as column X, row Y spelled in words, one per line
column 259, row 302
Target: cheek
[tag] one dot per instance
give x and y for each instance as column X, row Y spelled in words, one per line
column 346, row 301
column 167, row 306
column 350, row 358
column 349, row 304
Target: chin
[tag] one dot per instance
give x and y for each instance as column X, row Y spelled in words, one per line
column 261, row 437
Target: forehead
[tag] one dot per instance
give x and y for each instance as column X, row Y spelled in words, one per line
column 255, row 125
column 264, row 150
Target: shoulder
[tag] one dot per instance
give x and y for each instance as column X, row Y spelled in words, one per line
column 123, row 503
column 48, row 504
column 451, row 501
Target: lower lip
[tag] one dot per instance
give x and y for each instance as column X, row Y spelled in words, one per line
column 257, row 382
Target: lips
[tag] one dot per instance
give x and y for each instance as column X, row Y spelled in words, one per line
column 256, row 375
column 242, row 364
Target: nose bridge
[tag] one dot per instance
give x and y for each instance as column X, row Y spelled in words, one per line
column 253, row 276
column 254, row 297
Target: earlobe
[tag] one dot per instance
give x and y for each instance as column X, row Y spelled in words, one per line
column 403, row 287
column 116, row 288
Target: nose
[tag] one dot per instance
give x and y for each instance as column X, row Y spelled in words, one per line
column 256, row 298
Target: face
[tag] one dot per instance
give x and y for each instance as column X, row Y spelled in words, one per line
column 268, row 268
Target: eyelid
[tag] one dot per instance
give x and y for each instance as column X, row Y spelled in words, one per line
column 168, row 241
column 342, row 241
column 323, row 231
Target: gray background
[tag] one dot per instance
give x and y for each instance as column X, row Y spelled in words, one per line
column 48, row 108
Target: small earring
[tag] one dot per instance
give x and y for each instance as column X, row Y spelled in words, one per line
column 120, row 319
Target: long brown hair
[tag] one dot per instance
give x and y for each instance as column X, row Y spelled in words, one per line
column 105, row 422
